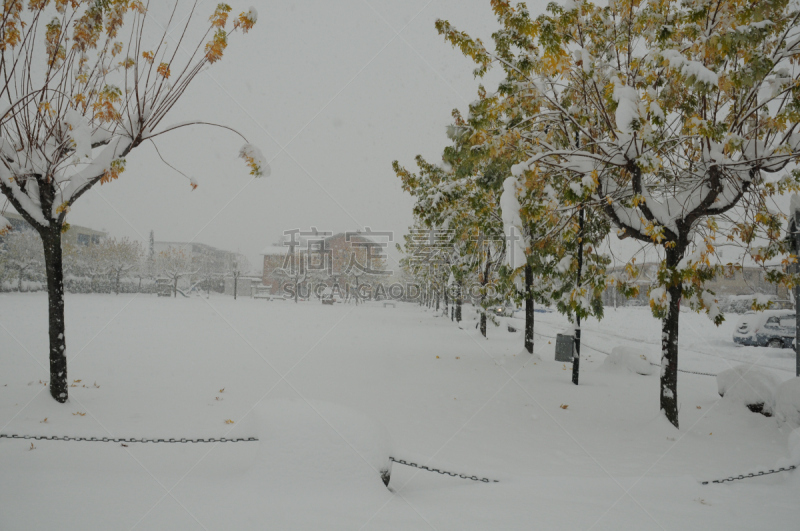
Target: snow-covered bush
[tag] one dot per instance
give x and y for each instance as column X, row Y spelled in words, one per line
column 630, row 358
column 750, row 386
column 794, row 446
column 21, row 286
column 787, row 406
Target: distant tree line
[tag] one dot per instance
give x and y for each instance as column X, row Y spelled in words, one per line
column 114, row 265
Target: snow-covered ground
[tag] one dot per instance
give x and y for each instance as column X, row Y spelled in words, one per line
column 330, row 390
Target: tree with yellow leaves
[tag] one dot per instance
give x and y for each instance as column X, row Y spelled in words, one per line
column 675, row 115
column 84, row 87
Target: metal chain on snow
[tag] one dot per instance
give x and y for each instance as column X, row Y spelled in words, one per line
column 121, row 439
column 254, row 439
column 687, row 372
column 583, row 344
column 209, row 440
column 453, row 474
column 748, row 476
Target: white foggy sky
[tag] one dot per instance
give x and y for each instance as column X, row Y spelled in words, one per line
column 331, row 95
column 332, row 83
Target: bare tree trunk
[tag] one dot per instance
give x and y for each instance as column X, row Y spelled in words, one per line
column 235, row 285
column 669, row 343
column 484, row 282
column 528, row 309
column 175, row 288
column 51, row 238
column 458, row 303
column 116, row 286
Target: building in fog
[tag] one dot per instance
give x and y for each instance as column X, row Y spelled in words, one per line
column 324, row 259
column 75, row 234
column 747, row 280
column 209, row 265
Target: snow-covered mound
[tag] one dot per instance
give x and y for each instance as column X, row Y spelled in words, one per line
column 631, row 358
column 787, row 407
column 321, row 442
column 794, row 446
column 749, row 386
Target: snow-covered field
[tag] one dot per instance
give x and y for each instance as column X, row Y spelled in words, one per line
column 330, row 390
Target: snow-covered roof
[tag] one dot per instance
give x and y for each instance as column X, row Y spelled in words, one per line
column 303, row 241
column 272, row 250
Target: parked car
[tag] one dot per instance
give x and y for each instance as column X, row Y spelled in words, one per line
column 501, row 311
column 743, row 303
column 770, row 328
column 328, row 296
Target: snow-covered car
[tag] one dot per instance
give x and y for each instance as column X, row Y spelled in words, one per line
column 501, row 311
column 328, row 296
column 770, row 328
column 519, row 313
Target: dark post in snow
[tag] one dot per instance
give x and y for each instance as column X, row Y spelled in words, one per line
column 528, row 309
column 576, row 358
column 794, row 239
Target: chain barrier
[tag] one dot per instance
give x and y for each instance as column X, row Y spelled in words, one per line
column 453, row 474
column 122, row 439
column 752, row 475
column 254, row 439
column 209, row 440
column 687, row 372
column 584, row 345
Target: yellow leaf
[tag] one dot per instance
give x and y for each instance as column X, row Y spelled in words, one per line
column 163, row 70
column 229, row 421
